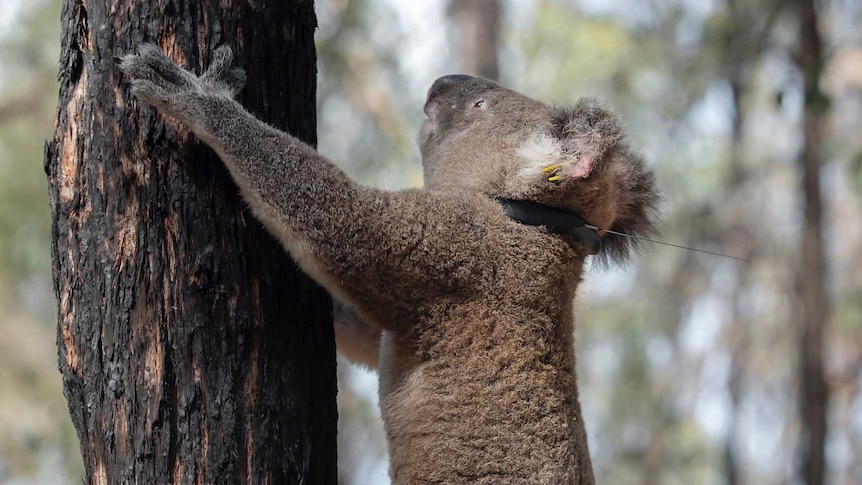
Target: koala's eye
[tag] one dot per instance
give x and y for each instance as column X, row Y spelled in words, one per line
column 479, row 103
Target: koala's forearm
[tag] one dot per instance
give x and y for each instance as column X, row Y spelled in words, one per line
column 362, row 244
column 356, row 241
column 286, row 182
column 304, row 200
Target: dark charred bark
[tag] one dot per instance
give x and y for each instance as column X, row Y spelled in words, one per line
column 191, row 348
column 478, row 24
column 814, row 311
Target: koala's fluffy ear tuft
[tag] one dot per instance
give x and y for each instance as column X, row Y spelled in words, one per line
column 588, row 132
column 637, row 208
column 592, row 135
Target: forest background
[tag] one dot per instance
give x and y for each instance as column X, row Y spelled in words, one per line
column 691, row 366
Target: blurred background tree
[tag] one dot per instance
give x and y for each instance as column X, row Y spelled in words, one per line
column 36, row 435
column 691, row 366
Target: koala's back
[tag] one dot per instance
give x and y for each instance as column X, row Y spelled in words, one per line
column 484, row 391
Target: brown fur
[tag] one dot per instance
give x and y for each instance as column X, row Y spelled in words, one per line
column 477, row 368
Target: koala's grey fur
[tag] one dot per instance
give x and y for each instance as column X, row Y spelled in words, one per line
column 473, row 311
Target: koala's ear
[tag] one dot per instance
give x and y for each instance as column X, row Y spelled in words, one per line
column 588, row 132
column 637, row 208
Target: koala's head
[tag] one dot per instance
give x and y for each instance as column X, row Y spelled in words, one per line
column 481, row 136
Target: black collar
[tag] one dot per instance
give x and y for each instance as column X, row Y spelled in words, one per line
column 555, row 220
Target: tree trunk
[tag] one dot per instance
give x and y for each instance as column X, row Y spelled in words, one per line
column 741, row 237
column 744, row 42
column 814, row 311
column 478, row 23
column 191, row 348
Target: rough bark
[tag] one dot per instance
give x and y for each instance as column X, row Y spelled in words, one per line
column 478, row 23
column 191, row 348
column 814, row 311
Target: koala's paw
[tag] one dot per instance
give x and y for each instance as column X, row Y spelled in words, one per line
column 156, row 79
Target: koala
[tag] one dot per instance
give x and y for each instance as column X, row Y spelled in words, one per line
column 460, row 293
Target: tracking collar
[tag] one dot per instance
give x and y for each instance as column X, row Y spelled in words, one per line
column 558, row 221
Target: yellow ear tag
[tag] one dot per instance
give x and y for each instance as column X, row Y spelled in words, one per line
column 551, row 169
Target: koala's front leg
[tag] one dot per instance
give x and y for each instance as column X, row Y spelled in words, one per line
column 276, row 171
column 176, row 92
column 286, row 183
column 368, row 247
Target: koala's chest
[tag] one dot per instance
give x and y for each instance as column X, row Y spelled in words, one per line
column 527, row 309
column 508, row 410
column 487, row 381
column 485, row 341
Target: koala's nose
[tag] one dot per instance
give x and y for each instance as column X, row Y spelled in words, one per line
column 445, row 83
